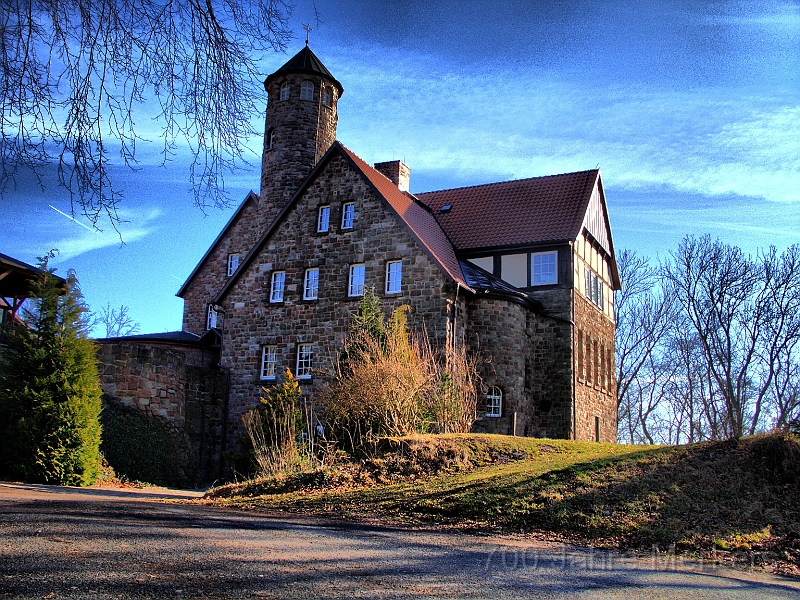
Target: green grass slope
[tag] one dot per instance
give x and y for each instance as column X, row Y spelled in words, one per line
column 737, row 501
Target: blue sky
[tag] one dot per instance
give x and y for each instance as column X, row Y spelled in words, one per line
column 690, row 109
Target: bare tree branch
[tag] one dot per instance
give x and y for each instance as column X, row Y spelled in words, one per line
column 74, row 74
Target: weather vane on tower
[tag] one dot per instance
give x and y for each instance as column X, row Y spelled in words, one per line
column 308, row 30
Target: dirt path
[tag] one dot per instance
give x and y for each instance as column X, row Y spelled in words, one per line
column 113, row 543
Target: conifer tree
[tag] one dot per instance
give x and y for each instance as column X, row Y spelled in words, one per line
column 50, row 389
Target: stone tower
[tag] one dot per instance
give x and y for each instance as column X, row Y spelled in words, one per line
column 301, row 126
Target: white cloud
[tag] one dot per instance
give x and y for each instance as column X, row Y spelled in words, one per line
column 135, row 226
column 520, row 124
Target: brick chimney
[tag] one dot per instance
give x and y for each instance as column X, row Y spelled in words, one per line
column 397, row 172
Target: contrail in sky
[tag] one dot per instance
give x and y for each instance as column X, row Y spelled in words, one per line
column 74, row 220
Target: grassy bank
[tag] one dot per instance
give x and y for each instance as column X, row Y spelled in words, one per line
column 733, row 500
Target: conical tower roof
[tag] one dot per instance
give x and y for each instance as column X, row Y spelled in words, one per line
column 306, row 62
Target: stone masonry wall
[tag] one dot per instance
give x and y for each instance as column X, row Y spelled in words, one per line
column 302, row 131
column 530, row 362
column 496, row 332
column 377, row 237
column 595, row 383
column 239, row 239
column 158, row 382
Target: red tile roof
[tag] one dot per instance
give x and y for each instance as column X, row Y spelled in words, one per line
column 416, row 216
column 525, row 211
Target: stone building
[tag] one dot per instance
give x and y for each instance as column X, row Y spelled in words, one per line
column 523, row 272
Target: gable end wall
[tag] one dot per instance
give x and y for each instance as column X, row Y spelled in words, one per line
column 251, row 321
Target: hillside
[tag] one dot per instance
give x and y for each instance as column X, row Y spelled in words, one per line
column 727, row 501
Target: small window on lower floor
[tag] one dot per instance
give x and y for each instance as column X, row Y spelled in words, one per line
column 269, row 361
column 494, row 402
column 211, row 321
column 356, row 286
column 394, row 277
column 305, row 357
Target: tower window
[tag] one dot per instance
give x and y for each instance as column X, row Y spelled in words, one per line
column 271, row 138
column 494, row 402
column 306, row 91
column 327, row 97
column 285, row 91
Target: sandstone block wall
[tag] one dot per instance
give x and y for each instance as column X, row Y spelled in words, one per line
column 301, row 132
column 158, row 382
column 239, row 239
column 530, row 362
column 595, row 383
column 252, row 321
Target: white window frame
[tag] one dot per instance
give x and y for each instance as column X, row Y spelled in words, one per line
column 233, row 263
column 285, row 91
column 323, row 219
column 211, row 318
column 278, row 286
column 494, row 402
column 307, row 90
column 311, row 284
column 305, row 361
column 594, row 287
column 269, row 362
column 348, row 215
column 271, row 138
column 394, row 277
column 327, row 96
column 355, row 285
column 553, row 279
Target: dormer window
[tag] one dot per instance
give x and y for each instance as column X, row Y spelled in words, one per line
column 327, row 97
column 306, row 91
column 285, row 91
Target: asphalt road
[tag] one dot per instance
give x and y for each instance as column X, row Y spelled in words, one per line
column 108, row 543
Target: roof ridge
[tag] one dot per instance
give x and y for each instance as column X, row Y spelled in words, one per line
column 480, row 185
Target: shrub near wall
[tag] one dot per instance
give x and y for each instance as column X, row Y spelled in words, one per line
column 146, row 448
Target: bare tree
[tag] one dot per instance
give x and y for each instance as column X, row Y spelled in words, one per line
column 74, row 73
column 117, row 323
column 643, row 314
column 745, row 314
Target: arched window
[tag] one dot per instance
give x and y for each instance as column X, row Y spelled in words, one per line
column 494, row 402
column 327, row 97
column 285, row 91
column 271, row 138
column 306, row 91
